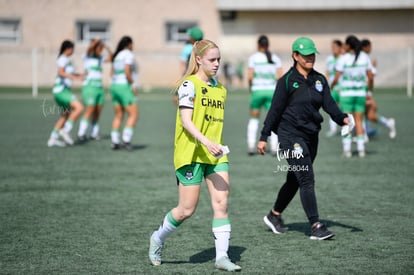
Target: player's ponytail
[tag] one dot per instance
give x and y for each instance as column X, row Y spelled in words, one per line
column 67, row 44
column 199, row 49
column 263, row 43
column 354, row 44
column 123, row 43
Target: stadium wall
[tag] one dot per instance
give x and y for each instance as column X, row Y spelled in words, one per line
column 45, row 23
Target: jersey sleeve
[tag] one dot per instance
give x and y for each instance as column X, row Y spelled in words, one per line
column 371, row 66
column 274, row 115
column 339, row 67
column 186, row 94
column 277, row 61
column 129, row 58
column 62, row 61
column 250, row 62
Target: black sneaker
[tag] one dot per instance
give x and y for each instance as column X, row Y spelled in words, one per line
column 275, row 223
column 320, row 232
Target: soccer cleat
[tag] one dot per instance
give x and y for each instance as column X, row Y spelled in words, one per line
column 347, row 154
column 361, row 154
column 55, row 142
column 225, row 264
column 66, row 137
column 391, row 126
column 115, row 146
column 320, row 232
column 275, row 223
column 155, row 251
column 97, row 138
column 82, row 139
column 127, row 146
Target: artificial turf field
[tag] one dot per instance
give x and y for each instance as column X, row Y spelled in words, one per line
column 89, row 210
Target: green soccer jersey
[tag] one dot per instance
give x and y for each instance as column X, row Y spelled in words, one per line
column 62, row 83
column 208, row 104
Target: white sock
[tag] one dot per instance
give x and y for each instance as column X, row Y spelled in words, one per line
column 95, row 130
column 83, row 126
column 384, row 121
column 361, row 143
column 252, row 128
column 274, row 140
column 127, row 134
column 168, row 226
column 68, row 126
column 54, row 134
column 346, row 143
column 115, row 137
column 221, row 232
column 332, row 125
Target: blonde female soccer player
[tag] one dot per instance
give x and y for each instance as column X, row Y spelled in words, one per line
column 70, row 107
column 123, row 91
column 92, row 90
column 199, row 153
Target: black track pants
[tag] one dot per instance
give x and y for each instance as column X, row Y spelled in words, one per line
column 300, row 153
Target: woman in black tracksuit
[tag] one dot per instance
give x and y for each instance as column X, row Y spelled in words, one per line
column 294, row 116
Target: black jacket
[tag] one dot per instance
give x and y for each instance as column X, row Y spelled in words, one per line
column 296, row 103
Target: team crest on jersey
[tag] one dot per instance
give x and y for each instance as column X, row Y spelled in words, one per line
column 189, row 175
column 295, row 85
column 203, row 90
column 318, row 86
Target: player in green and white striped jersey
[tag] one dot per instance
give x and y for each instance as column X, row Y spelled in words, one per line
column 330, row 63
column 92, row 91
column 264, row 68
column 123, row 91
column 69, row 106
column 355, row 77
column 371, row 105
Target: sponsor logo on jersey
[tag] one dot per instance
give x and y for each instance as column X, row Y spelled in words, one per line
column 295, row 85
column 208, row 117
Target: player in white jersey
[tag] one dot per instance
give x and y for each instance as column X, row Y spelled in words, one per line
column 264, row 68
column 92, row 91
column 70, row 107
column 124, row 88
column 371, row 105
column 330, row 63
column 355, row 77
